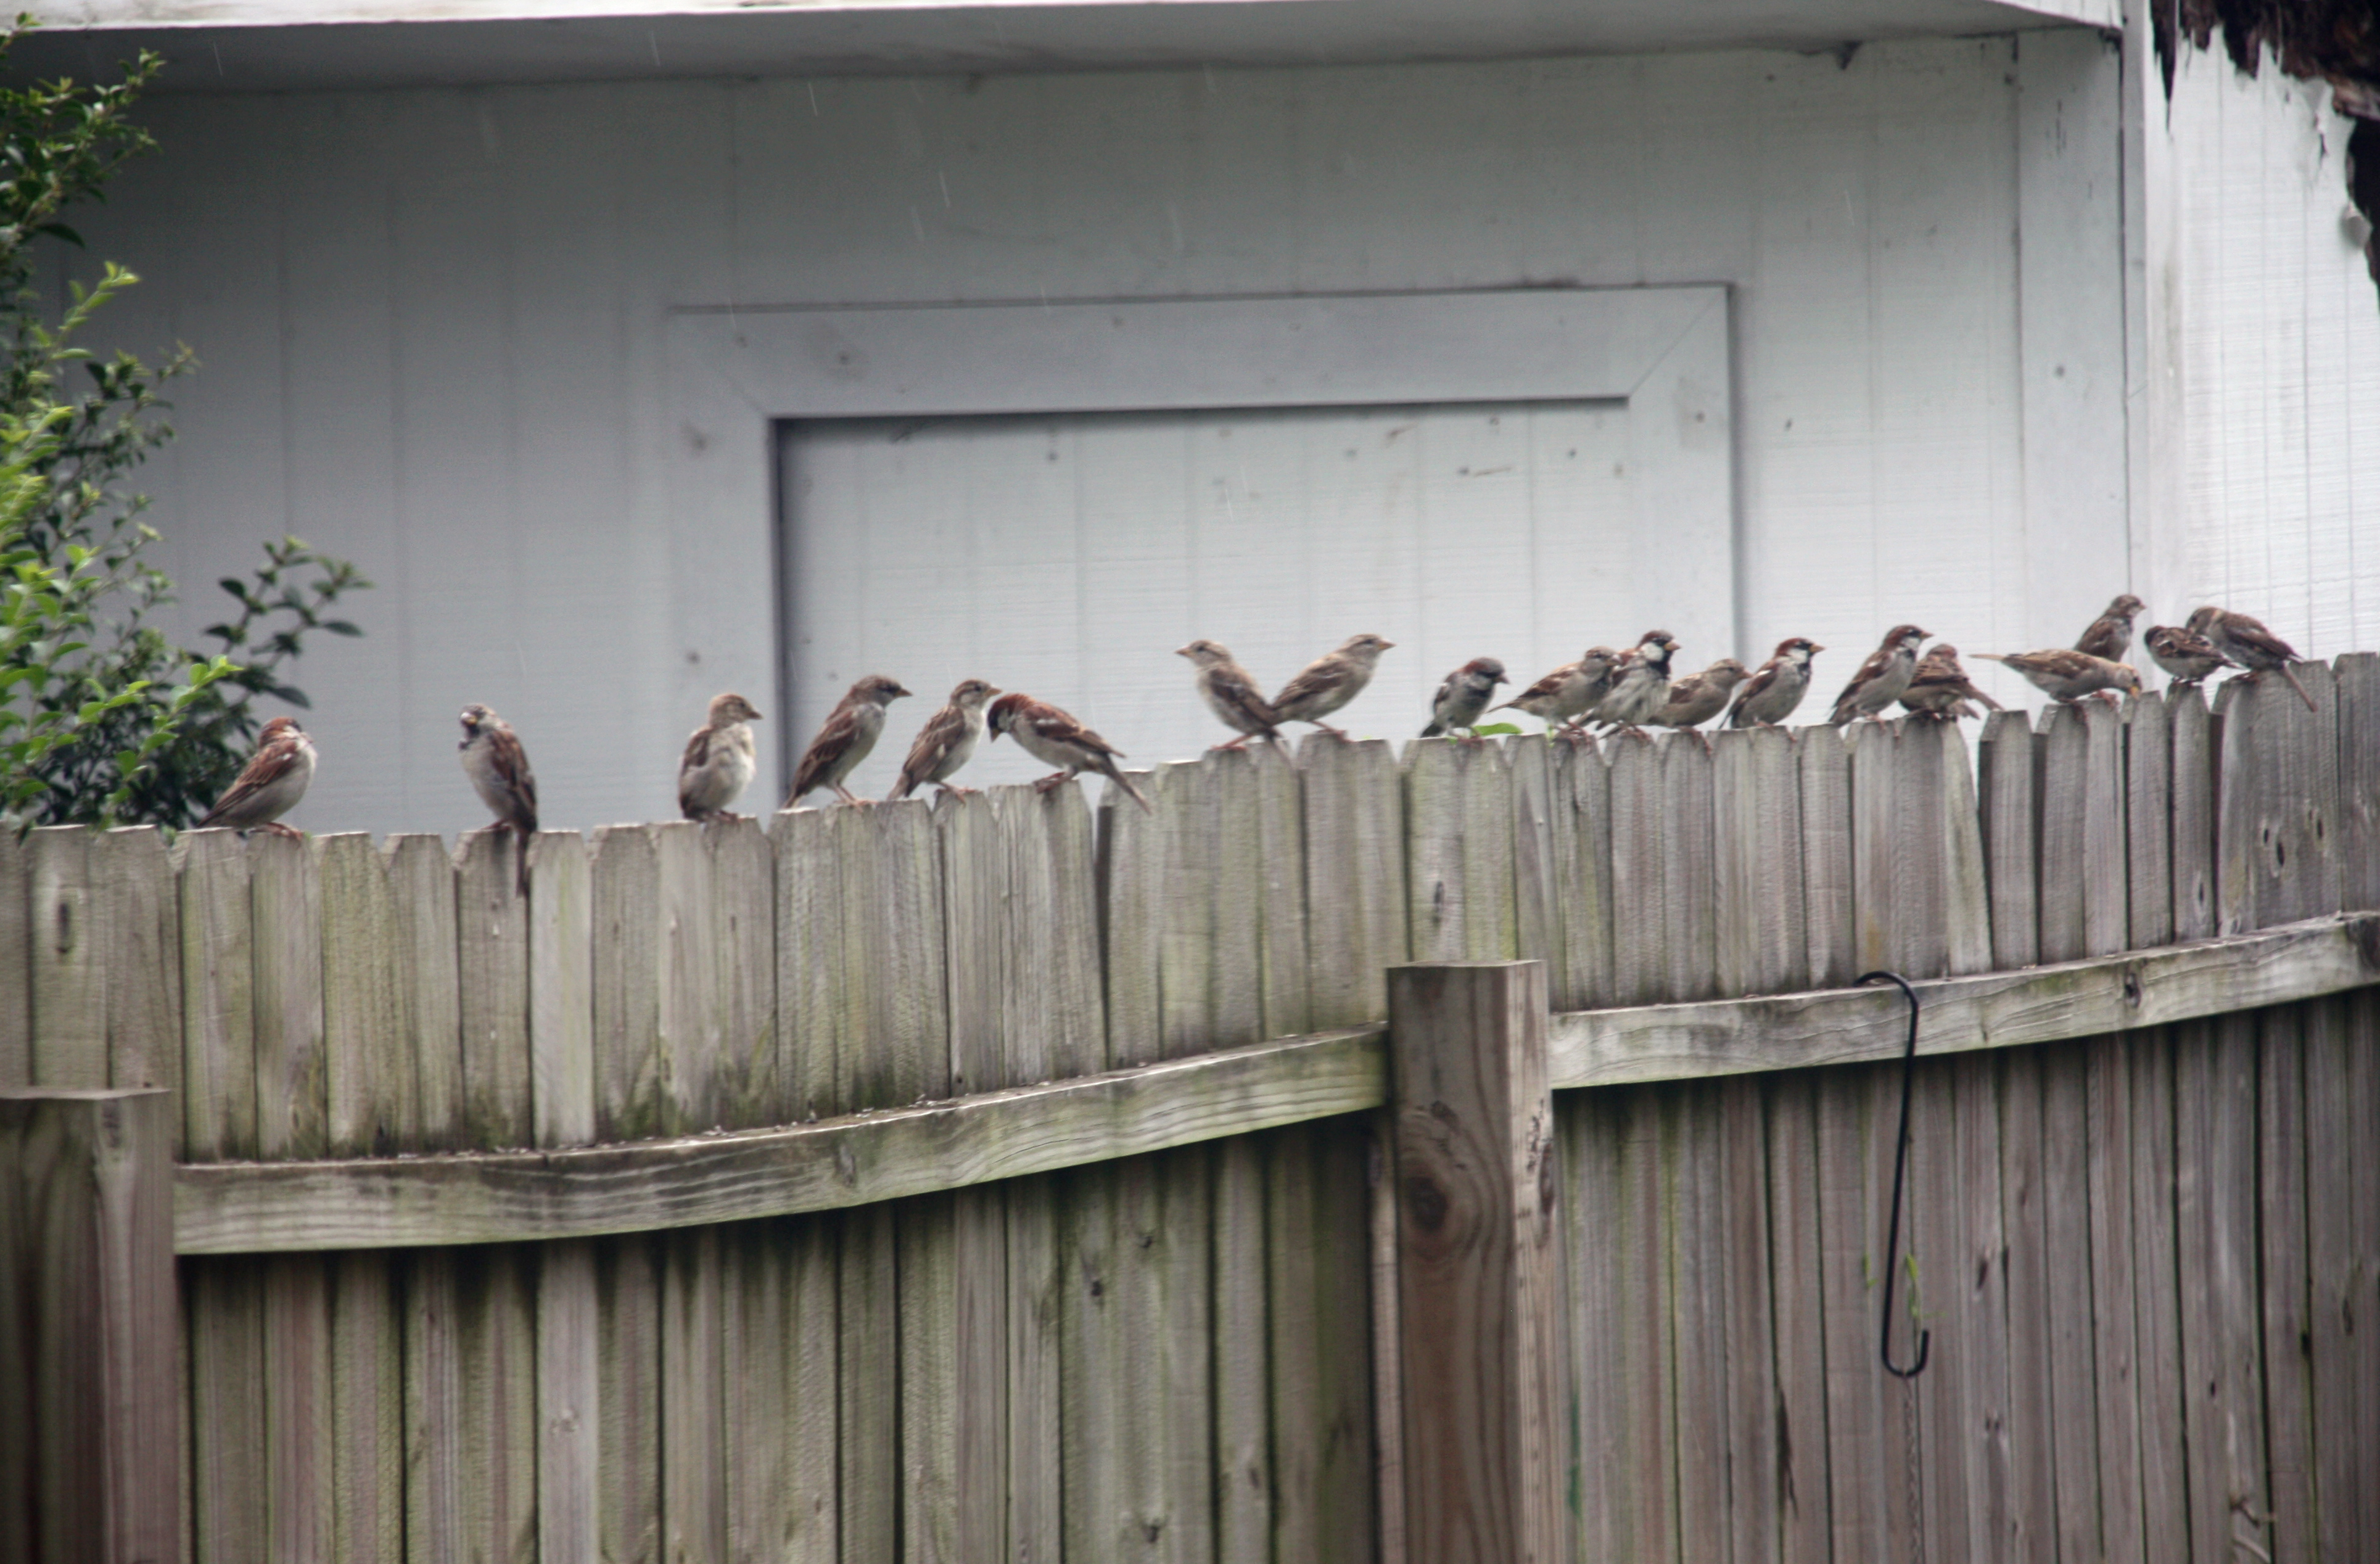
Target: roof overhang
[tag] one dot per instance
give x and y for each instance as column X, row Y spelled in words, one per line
column 233, row 46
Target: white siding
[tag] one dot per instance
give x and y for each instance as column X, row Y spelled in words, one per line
column 433, row 324
column 2279, row 359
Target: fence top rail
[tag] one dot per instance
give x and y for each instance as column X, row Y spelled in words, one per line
column 481, row 1197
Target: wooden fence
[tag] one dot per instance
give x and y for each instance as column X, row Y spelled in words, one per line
column 937, row 1193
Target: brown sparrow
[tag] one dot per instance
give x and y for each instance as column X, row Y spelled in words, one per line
column 2246, row 642
column 2069, row 675
column 1882, row 677
column 1054, row 739
column 2187, row 657
column 718, row 759
column 850, row 732
column 1329, row 682
column 2110, row 634
column 1463, row 698
column 1698, row 697
column 946, row 742
column 498, row 767
column 1565, row 695
column 1775, row 691
column 1940, row 686
column 271, row 783
column 1642, row 688
column 1230, row 694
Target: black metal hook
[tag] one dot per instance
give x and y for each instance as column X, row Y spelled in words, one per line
column 1900, row 1168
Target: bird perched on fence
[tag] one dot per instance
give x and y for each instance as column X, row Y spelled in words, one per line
column 1329, row 682
column 1941, row 688
column 1055, row 738
column 849, row 733
column 1463, row 698
column 1642, row 688
column 498, row 768
column 2069, row 675
column 271, row 783
column 1882, row 677
column 1565, row 695
column 2246, row 642
column 2187, row 657
column 719, row 760
column 947, row 741
column 2110, row 634
column 1698, row 697
column 1776, row 688
column 1232, row 695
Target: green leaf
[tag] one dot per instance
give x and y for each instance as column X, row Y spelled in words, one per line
column 1495, row 730
column 340, row 627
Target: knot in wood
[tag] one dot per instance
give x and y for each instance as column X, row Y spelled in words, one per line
column 1426, row 1202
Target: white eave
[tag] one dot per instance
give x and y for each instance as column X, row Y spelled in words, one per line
column 252, row 45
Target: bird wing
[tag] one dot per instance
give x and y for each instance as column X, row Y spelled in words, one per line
column 2105, row 637
column 1232, row 687
column 1869, row 672
column 267, row 766
column 511, row 763
column 1760, row 683
column 690, row 765
column 1322, row 677
column 2252, row 634
column 1053, row 726
column 835, row 736
column 933, row 743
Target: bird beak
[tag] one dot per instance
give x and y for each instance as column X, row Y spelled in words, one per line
column 1816, row 651
column 1387, row 646
column 1181, row 651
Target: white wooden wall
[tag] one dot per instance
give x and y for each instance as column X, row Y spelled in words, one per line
column 2279, row 358
column 433, row 328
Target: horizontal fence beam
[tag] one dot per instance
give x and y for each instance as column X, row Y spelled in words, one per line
column 401, row 1202
column 501, row 1198
column 1994, row 1009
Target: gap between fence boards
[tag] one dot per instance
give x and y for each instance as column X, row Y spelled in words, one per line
column 402, row 1201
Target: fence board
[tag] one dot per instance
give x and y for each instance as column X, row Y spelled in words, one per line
column 218, row 1010
column 2362, row 1098
column 1689, row 929
column 2107, row 1089
column 1803, row 1482
column 70, row 985
column 2074, row 1370
column 373, row 1096
column 2156, row 1307
column 624, row 886
column 2285, row 1276
column 2356, row 680
column 1935, row 1236
column 135, row 903
column 1354, row 876
column 492, row 941
column 562, row 1089
column 15, row 963
column 2338, row 1288
column 1621, row 1321
column 2079, row 757
column 1583, row 871
column 691, row 1041
column 425, row 969
column 2215, row 1184
column 744, row 944
column 2004, row 767
column 1871, row 1514
column 1279, row 840
column 2148, row 820
column 1536, row 902
column 1459, row 856
column 1318, row 1314
column 292, row 1105
column 1639, row 887
column 1897, row 888
column 1133, row 868
column 1757, row 878
column 1980, row 1326
column 764, row 1495
column 2032, row 1431
column 1826, row 858
column 2192, row 836
column 693, row 1392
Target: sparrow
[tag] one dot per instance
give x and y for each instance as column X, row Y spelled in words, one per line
column 1642, row 687
column 1327, row 683
column 718, row 759
column 2246, row 642
column 1882, row 677
column 2186, row 656
column 1570, row 691
column 1698, row 697
column 498, row 767
column 1054, row 739
column 1775, row 690
column 1462, row 699
column 1231, row 695
column 1940, row 686
column 2069, row 675
column 2110, row 634
column 946, row 742
column 843, row 742
column 271, row 783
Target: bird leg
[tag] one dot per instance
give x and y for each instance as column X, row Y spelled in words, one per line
column 1059, row 778
column 1240, row 743
column 849, row 796
column 277, row 829
column 1334, row 733
column 1471, row 738
column 952, row 790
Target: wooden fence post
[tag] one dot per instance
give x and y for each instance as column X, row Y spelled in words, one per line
column 1478, row 1264
column 87, row 1312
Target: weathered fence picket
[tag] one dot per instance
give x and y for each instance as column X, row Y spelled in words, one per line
column 2138, row 1244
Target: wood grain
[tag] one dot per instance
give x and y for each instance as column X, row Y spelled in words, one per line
column 1826, row 860
column 1354, row 876
column 1479, row 1262
column 15, row 962
column 86, row 1253
column 2148, row 820
column 70, row 976
column 1757, row 880
column 138, row 907
column 2356, row 679
column 2193, row 835
column 2004, row 769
